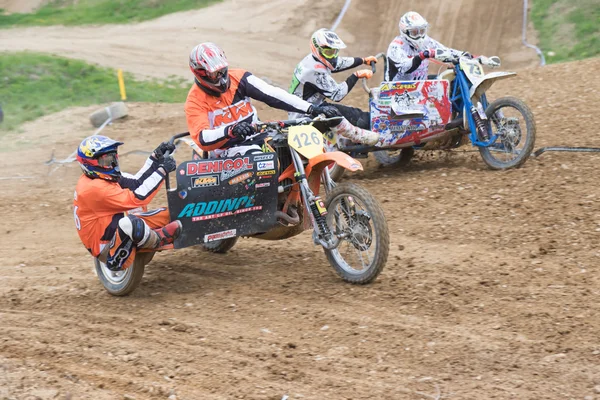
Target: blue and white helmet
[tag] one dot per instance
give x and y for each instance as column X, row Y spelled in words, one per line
column 413, row 28
column 97, row 156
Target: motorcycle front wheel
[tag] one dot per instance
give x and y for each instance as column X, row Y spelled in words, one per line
column 121, row 283
column 355, row 217
column 512, row 121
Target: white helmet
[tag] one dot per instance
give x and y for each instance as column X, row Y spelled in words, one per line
column 413, row 28
column 325, row 46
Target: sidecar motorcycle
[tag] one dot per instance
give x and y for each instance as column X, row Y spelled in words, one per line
column 444, row 113
column 271, row 196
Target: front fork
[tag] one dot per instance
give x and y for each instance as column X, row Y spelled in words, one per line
column 315, row 205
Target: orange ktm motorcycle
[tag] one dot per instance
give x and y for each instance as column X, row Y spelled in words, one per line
column 272, row 195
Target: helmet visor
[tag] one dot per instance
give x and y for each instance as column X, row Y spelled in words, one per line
column 108, row 160
column 416, row 33
column 212, row 77
column 329, row 53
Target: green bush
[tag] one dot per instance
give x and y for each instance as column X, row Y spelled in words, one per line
column 568, row 28
column 33, row 85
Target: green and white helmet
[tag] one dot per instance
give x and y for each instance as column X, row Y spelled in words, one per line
column 325, row 46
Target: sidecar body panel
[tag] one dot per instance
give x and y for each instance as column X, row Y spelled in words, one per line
column 224, row 197
column 410, row 112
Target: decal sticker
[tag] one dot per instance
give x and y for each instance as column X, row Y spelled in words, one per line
column 261, row 185
column 263, row 173
column 264, row 157
column 205, row 181
column 240, row 178
column 217, row 209
column 220, row 235
column 265, row 165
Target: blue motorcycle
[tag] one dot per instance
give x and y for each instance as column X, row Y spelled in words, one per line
column 444, row 113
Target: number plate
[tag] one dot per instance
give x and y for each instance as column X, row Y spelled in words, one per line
column 306, row 140
column 472, row 69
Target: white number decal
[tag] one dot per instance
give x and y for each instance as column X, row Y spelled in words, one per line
column 76, row 217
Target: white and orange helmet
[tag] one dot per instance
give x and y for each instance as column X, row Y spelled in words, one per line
column 325, row 46
column 413, row 28
column 209, row 65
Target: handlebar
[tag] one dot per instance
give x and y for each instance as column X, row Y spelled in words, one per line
column 374, row 69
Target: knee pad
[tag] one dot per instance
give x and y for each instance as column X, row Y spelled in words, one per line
column 135, row 228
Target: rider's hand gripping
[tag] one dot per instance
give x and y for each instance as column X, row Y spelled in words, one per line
column 325, row 109
column 241, row 130
column 164, row 147
column 369, row 59
column 364, row 73
column 168, row 164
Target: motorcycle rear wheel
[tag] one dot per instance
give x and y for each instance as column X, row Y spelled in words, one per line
column 122, row 283
column 512, row 139
column 220, row 246
column 353, row 211
column 398, row 158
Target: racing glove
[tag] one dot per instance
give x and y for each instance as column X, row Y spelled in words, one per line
column 493, row 61
column 429, row 53
column 168, row 164
column 369, row 59
column 163, row 148
column 364, row 73
column 241, row 130
column 325, row 109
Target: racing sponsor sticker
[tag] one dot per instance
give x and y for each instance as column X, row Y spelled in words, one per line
column 265, row 165
column 263, row 157
column 205, row 181
column 211, row 237
column 264, row 184
column 240, row 178
column 263, row 173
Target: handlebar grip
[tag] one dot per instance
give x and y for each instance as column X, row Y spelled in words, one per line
column 373, row 68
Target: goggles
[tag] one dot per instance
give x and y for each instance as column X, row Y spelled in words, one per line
column 328, row 52
column 108, row 160
column 416, row 33
column 213, row 77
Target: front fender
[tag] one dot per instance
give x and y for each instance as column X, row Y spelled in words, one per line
column 484, row 84
column 319, row 163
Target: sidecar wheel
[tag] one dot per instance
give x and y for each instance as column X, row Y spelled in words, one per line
column 399, row 158
column 220, row 246
column 512, row 120
column 121, row 283
column 355, row 215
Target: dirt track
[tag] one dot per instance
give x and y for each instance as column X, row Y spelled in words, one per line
column 490, row 291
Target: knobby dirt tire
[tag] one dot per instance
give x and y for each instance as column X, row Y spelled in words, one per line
column 220, row 246
column 381, row 230
column 519, row 105
column 402, row 159
column 132, row 279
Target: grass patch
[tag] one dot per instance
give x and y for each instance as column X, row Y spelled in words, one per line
column 568, row 28
column 82, row 12
column 33, row 85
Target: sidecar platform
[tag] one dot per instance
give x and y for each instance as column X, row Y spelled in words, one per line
column 224, row 197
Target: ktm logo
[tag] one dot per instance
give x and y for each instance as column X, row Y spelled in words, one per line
column 233, row 113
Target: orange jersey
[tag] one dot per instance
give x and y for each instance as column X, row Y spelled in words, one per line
column 208, row 117
column 99, row 204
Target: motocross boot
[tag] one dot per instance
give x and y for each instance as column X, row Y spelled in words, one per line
column 162, row 236
column 355, row 134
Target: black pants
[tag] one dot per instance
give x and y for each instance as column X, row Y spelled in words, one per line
column 355, row 116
